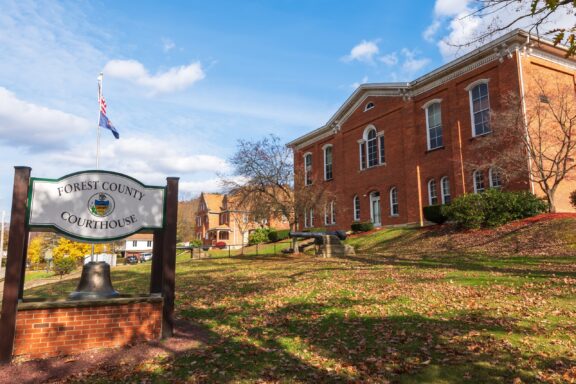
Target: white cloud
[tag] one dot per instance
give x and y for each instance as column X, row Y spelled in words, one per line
column 34, row 126
column 359, row 83
column 448, row 8
column 461, row 24
column 363, row 52
column 411, row 64
column 168, row 45
column 389, row 59
column 174, row 79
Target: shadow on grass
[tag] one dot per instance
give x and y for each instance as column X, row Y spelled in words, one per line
column 432, row 261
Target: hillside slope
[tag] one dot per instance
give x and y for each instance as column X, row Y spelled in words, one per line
column 547, row 234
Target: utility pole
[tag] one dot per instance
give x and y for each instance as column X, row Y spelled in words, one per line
column 2, row 240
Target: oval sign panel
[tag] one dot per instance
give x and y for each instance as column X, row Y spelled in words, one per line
column 95, row 205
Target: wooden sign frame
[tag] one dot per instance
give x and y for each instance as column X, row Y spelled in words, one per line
column 162, row 281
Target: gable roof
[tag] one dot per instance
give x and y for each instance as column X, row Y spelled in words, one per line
column 495, row 50
column 213, row 201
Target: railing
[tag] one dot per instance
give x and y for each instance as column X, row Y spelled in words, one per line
column 231, row 250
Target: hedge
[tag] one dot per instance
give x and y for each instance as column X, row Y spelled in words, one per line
column 362, row 227
column 279, row 235
column 434, row 214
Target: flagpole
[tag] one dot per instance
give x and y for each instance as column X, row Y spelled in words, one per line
column 100, row 78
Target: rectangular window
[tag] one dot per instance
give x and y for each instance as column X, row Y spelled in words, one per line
column 328, row 163
column 135, row 243
column 382, row 151
column 224, row 235
column 480, row 109
column 478, row 177
column 445, row 187
column 311, row 217
column 356, row 208
column 434, row 123
column 394, row 202
column 332, row 213
column 362, row 155
column 149, row 243
column 308, row 169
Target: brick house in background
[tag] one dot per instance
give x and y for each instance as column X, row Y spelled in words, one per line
column 221, row 219
column 393, row 148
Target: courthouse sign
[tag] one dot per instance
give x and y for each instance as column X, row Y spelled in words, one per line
column 95, row 205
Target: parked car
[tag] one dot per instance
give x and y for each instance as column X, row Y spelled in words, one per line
column 131, row 260
column 145, row 257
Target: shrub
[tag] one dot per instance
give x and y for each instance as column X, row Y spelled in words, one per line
column 315, row 229
column 220, row 245
column 492, row 208
column 434, row 214
column 573, row 199
column 64, row 265
column 259, row 235
column 362, row 227
column 467, row 211
column 196, row 243
column 274, row 235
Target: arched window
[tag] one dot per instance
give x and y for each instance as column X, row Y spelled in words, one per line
column 478, row 177
column 434, row 137
column 445, row 190
column 432, row 195
column 371, row 148
column 479, row 107
column 308, row 169
column 394, row 202
column 495, row 178
column 356, row 208
column 369, row 106
column 328, row 162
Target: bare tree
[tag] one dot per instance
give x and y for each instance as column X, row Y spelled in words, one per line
column 536, row 13
column 535, row 136
column 269, row 183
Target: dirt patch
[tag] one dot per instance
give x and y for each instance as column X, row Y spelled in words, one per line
column 187, row 336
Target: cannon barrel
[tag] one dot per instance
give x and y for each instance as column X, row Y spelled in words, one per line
column 316, row 235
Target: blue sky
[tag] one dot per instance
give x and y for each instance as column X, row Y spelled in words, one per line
column 184, row 80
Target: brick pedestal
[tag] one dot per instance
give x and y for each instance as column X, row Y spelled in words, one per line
column 46, row 329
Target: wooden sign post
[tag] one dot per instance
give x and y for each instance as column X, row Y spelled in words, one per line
column 89, row 206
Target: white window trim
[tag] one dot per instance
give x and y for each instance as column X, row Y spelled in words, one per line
column 474, row 180
column 369, row 105
column 490, row 179
column 364, row 142
column 355, row 199
column 469, row 88
column 392, row 202
column 332, row 213
column 430, row 192
column 442, row 190
column 324, row 148
column 306, row 168
column 425, row 107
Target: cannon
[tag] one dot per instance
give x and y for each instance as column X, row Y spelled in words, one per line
column 341, row 235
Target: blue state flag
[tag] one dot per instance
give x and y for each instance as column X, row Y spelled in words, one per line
column 106, row 123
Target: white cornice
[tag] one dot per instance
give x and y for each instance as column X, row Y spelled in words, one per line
column 498, row 49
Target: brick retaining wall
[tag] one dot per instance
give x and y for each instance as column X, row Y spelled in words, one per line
column 45, row 329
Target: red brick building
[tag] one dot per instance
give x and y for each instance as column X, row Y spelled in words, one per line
column 393, row 148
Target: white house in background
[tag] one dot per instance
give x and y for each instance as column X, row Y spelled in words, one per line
column 138, row 244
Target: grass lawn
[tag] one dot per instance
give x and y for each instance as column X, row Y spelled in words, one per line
column 461, row 317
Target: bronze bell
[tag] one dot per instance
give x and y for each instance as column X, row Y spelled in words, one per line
column 95, row 282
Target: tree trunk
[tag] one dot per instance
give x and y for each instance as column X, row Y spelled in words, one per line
column 295, row 241
column 550, row 198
